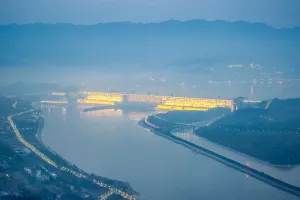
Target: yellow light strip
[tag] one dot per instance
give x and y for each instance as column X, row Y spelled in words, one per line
column 100, row 102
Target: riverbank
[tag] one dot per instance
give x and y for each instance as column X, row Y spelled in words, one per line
column 231, row 163
column 271, row 135
column 259, row 133
column 274, row 147
column 65, row 170
column 124, row 186
column 256, row 163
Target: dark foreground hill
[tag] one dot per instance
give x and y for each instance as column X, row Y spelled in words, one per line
column 271, row 135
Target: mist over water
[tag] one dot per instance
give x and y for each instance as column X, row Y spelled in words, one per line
column 155, row 82
column 193, row 57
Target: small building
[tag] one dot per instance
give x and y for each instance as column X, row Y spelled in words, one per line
column 242, row 103
column 28, row 171
column 40, row 176
column 53, row 175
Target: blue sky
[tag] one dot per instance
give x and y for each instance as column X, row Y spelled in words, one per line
column 278, row 13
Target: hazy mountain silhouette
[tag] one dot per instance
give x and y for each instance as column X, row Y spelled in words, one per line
column 197, row 44
column 18, row 88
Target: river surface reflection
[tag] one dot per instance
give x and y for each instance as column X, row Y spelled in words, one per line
column 111, row 144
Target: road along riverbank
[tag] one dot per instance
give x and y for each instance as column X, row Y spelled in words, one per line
column 55, row 161
column 161, row 131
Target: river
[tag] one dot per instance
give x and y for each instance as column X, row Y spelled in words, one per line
column 284, row 173
column 109, row 143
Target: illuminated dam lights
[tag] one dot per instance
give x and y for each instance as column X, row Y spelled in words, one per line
column 162, row 102
column 167, row 107
column 143, row 98
column 93, row 101
column 196, row 102
column 115, row 97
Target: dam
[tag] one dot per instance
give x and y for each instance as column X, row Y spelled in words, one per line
column 160, row 102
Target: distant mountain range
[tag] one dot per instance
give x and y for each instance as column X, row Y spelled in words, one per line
column 19, row 88
column 192, row 45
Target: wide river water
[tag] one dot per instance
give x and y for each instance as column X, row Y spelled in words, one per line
column 109, row 143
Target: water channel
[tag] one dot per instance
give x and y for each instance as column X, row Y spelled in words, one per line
column 111, row 144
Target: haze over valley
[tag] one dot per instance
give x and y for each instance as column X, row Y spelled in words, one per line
column 142, row 100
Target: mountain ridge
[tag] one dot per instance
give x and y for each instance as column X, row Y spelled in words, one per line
column 157, row 23
column 148, row 44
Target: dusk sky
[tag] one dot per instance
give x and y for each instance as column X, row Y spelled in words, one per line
column 278, row 13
